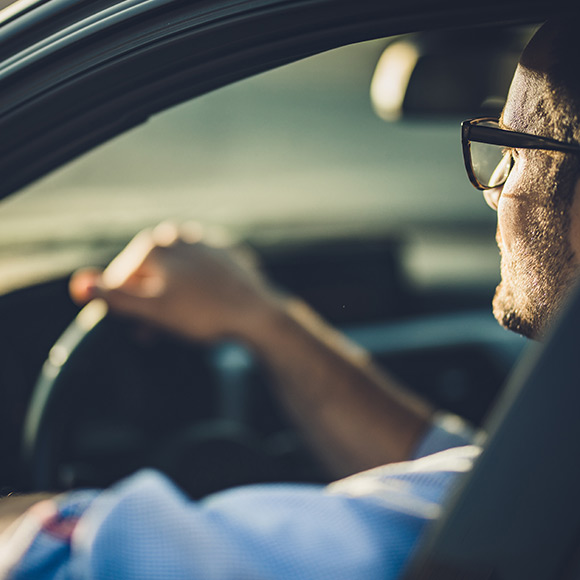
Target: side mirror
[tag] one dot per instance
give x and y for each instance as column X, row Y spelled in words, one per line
column 449, row 74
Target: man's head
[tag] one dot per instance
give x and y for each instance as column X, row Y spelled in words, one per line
column 538, row 209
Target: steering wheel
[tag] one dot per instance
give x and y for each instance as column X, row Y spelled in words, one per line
column 115, row 396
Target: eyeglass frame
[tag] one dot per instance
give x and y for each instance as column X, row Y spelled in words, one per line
column 472, row 131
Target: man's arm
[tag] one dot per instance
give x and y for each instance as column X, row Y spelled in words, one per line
column 13, row 506
column 21, row 518
column 354, row 416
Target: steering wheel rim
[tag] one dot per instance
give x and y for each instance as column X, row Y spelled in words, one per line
column 38, row 440
column 221, row 450
column 77, row 368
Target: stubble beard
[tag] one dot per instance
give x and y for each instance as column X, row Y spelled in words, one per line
column 539, row 292
column 537, row 280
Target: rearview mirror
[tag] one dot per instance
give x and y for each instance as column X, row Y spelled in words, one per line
column 450, row 74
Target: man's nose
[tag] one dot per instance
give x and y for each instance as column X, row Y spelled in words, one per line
column 492, row 196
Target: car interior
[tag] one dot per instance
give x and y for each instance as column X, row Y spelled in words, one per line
column 313, row 166
column 385, row 254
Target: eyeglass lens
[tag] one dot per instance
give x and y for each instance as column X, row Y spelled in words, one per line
column 491, row 163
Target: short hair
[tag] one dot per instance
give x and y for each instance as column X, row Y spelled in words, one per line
column 554, row 55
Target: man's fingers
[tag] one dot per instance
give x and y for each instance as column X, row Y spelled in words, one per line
column 83, row 285
column 129, row 261
column 133, row 298
column 127, row 303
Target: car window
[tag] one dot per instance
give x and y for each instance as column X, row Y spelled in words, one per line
column 292, row 154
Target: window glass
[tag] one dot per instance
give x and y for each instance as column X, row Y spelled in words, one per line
column 293, row 153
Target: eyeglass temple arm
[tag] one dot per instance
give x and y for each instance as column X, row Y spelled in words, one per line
column 496, row 136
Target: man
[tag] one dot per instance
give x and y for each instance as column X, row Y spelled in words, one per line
column 366, row 525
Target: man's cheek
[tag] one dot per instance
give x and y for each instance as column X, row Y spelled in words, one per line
column 519, row 211
column 575, row 223
column 511, row 216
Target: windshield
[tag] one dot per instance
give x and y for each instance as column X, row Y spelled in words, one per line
column 293, row 154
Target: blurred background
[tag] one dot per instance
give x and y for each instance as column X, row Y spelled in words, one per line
column 294, row 154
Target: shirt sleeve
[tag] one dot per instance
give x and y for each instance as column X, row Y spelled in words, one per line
column 446, row 431
column 365, row 526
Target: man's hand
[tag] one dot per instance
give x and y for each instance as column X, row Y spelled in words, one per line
column 170, row 277
column 354, row 415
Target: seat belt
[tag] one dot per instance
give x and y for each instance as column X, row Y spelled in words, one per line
column 516, row 515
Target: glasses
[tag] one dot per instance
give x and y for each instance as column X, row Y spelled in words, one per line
column 488, row 150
